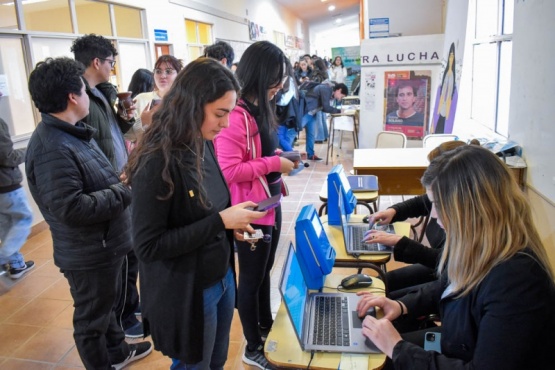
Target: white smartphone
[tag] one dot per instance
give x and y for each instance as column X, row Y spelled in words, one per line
column 253, row 237
column 432, row 341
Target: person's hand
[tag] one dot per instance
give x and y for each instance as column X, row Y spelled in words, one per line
column 382, row 333
column 382, row 217
column 238, row 217
column 147, row 113
column 390, row 308
column 381, row 237
column 127, row 113
column 286, row 165
column 123, row 178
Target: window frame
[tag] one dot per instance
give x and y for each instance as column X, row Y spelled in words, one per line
column 501, row 39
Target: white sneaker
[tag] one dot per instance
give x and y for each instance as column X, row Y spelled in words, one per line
column 136, row 352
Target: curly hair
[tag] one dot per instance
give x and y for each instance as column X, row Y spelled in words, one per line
column 219, row 51
column 52, row 81
column 91, row 46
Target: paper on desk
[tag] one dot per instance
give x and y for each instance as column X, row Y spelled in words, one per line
column 351, row 361
column 345, row 123
column 515, row 161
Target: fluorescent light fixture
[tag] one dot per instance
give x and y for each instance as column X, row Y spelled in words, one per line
column 331, row 8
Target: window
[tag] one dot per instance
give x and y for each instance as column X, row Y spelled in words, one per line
column 491, row 63
column 49, row 16
column 198, row 36
column 93, row 17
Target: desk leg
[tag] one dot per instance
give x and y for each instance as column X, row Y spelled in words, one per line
column 331, row 138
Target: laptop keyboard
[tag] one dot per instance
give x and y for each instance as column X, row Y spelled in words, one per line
column 357, row 234
column 331, row 325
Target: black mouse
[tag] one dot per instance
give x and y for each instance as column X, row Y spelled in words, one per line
column 366, row 219
column 356, row 281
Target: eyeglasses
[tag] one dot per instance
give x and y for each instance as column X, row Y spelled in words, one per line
column 167, row 71
column 112, row 62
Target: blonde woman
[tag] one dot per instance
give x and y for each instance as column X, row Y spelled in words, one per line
column 496, row 292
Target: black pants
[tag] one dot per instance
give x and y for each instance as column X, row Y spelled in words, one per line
column 253, row 295
column 406, row 277
column 98, row 337
column 128, row 302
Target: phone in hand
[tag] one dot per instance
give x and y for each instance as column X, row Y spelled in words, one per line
column 293, row 156
column 432, row 341
column 269, row 203
column 155, row 102
column 253, row 237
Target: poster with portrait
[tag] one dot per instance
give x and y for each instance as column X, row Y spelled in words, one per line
column 407, row 102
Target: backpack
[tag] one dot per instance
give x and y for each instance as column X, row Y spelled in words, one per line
column 307, row 88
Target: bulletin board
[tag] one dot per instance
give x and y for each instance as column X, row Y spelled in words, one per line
column 239, row 47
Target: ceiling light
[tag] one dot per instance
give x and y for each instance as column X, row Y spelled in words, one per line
column 338, row 20
column 331, row 8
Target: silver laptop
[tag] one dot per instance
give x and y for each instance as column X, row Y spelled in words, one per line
column 353, row 235
column 322, row 321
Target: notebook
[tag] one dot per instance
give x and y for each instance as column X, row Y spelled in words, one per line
column 354, row 233
column 363, row 183
column 322, row 321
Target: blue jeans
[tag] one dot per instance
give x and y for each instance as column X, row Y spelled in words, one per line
column 15, row 225
column 309, row 123
column 219, row 302
column 286, row 136
column 321, row 126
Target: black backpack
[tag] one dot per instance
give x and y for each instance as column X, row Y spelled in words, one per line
column 307, row 88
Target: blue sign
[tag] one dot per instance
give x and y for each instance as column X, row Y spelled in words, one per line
column 161, row 35
column 379, row 27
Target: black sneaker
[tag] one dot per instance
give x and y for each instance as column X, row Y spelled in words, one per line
column 16, row 273
column 135, row 331
column 256, row 358
column 136, row 352
column 315, row 158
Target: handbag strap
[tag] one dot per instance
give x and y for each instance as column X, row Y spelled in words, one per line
column 252, row 148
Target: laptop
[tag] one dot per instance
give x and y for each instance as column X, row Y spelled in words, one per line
column 322, row 321
column 354, row 233
column 363, row 183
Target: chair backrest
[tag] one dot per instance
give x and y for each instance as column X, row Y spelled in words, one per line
column 391, row 139
column 434, row 140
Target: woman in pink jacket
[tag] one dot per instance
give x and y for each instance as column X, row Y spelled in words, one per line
column 247, row 156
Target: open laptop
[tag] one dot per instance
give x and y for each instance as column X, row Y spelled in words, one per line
column 322, row 321
column 354, row 233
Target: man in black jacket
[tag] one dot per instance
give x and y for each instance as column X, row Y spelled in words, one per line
column 15, row 214
column 98, row 55
column 86, row 206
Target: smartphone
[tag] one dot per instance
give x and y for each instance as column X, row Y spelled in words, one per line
column 155, row 102
column 253, row 237
column 432, row 341
column 269, row 203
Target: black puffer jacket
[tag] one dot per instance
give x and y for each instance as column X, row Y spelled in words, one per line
column 79, row 195
column 10, row 159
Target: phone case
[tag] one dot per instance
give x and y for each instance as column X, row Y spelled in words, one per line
column 269, row 203
column 432, row 341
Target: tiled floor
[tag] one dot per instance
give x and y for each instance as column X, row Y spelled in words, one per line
column 36, row 311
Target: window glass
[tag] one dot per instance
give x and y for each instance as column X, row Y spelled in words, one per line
column 205, row 33
column 48, row 16
column 8, row 20
column 191, row 30
column 484, row 84
column 15, row 100
column 505, row 64
column 195, row 52
column 132, row 56
column 486, row 18
column 508, row 16
column 43, row 48
column 93, row 17
column 128, row 22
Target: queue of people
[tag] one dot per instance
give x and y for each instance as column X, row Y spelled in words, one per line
column 177, row 208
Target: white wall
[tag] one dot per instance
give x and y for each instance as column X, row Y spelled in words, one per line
column 409, row 17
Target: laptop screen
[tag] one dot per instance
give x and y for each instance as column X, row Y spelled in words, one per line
column 294, row 291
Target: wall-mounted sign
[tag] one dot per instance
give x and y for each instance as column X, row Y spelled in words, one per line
column 379, row 27
column 407, row 50
column 290, row 41
column 161, row 35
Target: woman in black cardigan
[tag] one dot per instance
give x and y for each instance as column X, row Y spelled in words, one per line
column 183, row 222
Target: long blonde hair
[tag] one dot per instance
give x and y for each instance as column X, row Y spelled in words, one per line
column 486, row 217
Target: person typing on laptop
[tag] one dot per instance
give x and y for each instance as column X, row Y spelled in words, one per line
column 496, row 290
column 423, row 259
